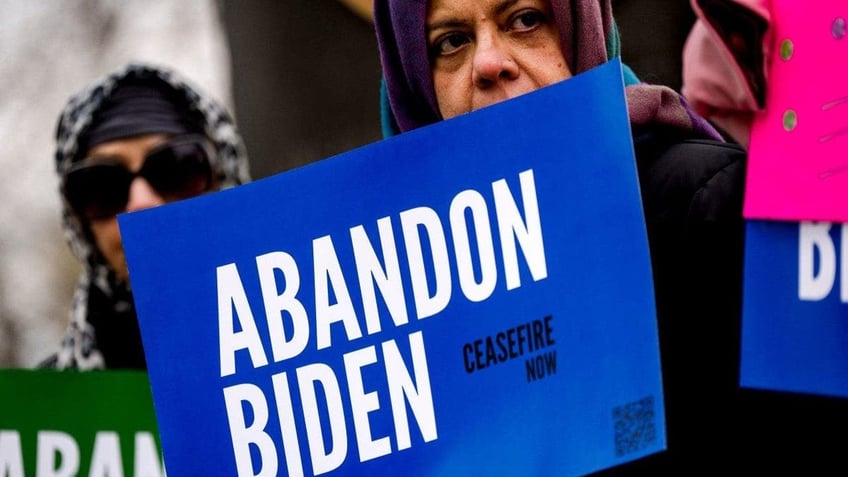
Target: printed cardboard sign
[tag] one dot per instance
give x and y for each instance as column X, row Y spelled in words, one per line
column 68, row 423
column 466, row 298
column 795, row 312
column 798, row 169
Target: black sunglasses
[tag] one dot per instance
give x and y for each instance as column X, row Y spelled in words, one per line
column 99, row 187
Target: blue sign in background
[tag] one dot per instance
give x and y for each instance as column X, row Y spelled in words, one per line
column 790, row 344
column 596, row 400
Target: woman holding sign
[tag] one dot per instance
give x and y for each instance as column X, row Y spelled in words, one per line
column 138, row 138
column 444, row 58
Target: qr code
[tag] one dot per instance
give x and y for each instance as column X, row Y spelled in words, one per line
column 635, row 426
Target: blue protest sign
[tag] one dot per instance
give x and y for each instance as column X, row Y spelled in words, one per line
column 462, row 299
column 795, row 311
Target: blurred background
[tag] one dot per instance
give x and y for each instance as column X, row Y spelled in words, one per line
column 301, row 78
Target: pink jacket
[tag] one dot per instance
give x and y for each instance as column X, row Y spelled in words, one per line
column 726, row 61
column 771, row 73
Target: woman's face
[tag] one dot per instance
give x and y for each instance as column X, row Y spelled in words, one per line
column 131, row 152
column 486, row 51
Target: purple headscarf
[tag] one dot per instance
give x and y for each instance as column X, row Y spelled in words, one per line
column 588, row 38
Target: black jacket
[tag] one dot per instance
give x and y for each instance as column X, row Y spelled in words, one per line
column 692, row 194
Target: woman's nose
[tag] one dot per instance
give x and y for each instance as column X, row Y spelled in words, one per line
column 492, row 62
column 142, row 195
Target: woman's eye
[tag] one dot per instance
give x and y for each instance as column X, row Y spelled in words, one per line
column 527, row 20
column 449, row 43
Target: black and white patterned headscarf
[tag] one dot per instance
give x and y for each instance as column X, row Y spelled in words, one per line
column 79, row 347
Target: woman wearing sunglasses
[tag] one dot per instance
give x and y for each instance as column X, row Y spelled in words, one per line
column 138, row 138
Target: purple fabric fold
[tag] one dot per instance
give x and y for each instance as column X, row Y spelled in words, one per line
column 588, row 38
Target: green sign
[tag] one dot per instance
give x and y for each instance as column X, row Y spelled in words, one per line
column 63, row 423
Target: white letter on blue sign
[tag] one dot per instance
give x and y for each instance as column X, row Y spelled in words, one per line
column 307, row 377
column 51, row 442
column 371, row 271
column 812, row 237
column 362, row 403
column 473, row 201
column 426, row 305
column 844, row 276
column 231, row 293
column 328, row 273
column 276, row 303
column 527, row 232
column 402, row 388
column 243, row 435
column 285, row 410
